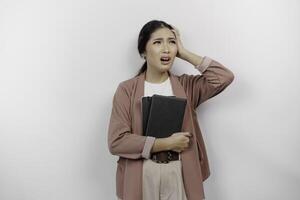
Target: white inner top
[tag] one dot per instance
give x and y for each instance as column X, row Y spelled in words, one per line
column 163, row 88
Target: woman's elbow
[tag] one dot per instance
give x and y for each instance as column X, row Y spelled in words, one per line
column 113, row 147
column 228, row 78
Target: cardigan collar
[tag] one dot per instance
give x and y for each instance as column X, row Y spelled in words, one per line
column 176, row 86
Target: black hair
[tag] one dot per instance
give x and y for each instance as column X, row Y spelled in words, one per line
column 144, row 36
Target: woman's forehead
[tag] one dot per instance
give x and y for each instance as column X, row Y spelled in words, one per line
column 162, row 33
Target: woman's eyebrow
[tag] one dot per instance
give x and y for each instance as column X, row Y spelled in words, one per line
column 162, row 38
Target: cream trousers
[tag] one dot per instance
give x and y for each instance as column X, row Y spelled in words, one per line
column 163, row 181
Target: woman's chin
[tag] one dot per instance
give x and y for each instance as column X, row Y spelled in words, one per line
column 164, row 68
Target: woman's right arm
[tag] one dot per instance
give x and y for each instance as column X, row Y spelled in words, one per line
column 121, row 140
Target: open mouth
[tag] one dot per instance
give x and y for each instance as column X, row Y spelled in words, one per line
column 165, row 60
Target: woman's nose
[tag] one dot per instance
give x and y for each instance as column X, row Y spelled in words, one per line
column 166, row 48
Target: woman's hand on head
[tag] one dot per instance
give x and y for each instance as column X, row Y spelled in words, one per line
column 180, row 49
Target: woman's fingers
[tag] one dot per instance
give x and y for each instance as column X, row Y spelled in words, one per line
column 175, row 30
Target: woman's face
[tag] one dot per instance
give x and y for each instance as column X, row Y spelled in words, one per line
column 161, row 50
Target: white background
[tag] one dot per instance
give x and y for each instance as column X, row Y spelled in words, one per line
column 61, row 61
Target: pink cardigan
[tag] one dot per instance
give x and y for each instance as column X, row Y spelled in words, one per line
column 126, row 140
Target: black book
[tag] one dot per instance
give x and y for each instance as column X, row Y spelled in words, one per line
column 162, row 115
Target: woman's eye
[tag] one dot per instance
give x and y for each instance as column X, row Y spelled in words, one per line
column 158, row 42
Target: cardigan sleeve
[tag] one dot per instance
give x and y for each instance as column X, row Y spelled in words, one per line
column 214, row 78
column 121, row 140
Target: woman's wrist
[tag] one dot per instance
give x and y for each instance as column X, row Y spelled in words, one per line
column 161, row 144
column 192, row 58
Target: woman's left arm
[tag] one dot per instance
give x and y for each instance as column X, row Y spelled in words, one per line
column 214, row 76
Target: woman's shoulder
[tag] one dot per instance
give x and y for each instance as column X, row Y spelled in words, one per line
column 128, row 84
column 129, row 81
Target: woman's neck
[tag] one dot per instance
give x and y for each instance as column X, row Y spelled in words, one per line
column 155, row 76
